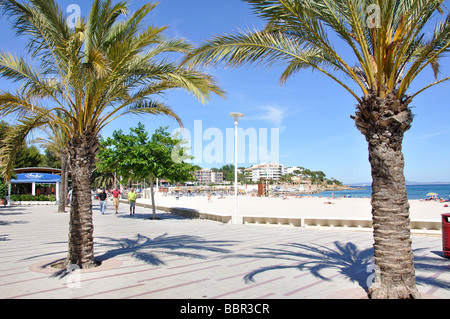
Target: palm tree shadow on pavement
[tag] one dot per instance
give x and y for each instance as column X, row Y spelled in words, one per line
column 351, row 262
column 346, row 258
column 149, row 250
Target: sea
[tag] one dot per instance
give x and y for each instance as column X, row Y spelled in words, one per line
column 414, row 191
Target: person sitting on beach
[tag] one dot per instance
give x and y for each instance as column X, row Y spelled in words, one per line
column 328, row 203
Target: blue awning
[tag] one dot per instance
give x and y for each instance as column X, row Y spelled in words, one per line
column 36, row 178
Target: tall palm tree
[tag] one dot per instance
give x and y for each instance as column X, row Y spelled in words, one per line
column 56, row 142
column 105, row 67
column 389, row 49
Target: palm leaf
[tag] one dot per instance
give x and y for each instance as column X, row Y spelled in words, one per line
column 265, row 48
column 298, row 34
column 14, row 139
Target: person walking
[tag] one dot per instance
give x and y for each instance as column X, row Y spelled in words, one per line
column 102, row 198
column 115, row 196
column 132, row 201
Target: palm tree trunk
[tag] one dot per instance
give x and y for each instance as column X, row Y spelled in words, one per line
column 82, row 152
column 152, row 196
column 384, row 121
column 63, row 188
column 66, row 184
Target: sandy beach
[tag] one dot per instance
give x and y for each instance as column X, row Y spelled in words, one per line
column 350, row 208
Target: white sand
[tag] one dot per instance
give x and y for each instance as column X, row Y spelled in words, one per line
column 358, row 208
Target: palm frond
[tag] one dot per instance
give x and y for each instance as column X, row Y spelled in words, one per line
column 142, row 107
column 268, row 48
column 385, row 37
column 103, row 68
column 14, row 139
column 34, row 81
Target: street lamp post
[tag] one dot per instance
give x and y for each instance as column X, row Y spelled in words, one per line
column 236, row 116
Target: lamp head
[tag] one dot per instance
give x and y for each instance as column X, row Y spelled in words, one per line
column 236, row 116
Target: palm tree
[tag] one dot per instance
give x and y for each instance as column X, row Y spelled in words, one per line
column 105, row 179
column 105, row 67
column 57, row 143
column 390, row 49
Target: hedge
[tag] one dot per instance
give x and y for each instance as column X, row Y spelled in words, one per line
column 33, row 198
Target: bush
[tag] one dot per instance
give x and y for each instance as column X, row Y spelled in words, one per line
column 15, row 198
column 32, row 198
column 3, row 188
column 25, row 197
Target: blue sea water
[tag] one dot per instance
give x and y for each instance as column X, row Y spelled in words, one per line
column 414, row 191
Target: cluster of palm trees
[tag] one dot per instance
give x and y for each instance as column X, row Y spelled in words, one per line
column 107, row 66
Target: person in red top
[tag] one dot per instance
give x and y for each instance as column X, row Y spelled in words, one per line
column 115, row 195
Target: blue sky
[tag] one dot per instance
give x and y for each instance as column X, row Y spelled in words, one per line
column 311, row 111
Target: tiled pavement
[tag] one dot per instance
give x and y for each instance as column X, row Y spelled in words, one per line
column 178, row 258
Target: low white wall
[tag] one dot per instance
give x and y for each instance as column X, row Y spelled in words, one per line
column 33, row 203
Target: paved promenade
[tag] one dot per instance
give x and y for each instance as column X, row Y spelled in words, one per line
column 179, row 258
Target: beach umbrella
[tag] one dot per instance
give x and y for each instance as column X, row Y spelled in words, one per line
column 432, row 194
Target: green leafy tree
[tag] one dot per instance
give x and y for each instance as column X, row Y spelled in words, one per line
column 24, row 156
column 228, row 172
column 28, row 157
column 3, row 188
column 137, row 156
column 50, row 159
column 107, row 66
column 387, row 46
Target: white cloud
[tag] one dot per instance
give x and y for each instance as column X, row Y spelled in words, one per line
column 272, row 114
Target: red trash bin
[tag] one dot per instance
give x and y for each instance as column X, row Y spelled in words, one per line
column 446, row 234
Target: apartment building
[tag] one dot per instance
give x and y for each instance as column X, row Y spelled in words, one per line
column 272, row 171
column 291, row 170
column 206, row 176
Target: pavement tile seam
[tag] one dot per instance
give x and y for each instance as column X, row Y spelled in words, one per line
column 167, row 288
column 233, row 292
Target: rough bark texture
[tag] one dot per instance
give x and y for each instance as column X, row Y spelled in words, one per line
column 383, row 121
column 82, row 151
column 66, row 184
column 63, row 185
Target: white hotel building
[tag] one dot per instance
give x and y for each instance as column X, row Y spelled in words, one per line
column 271, row 171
